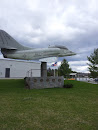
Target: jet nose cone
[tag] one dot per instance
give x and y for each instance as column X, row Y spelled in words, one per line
column 73, row 53
column 68, row 53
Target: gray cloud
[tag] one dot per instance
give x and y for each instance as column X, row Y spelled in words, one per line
column 46, row 22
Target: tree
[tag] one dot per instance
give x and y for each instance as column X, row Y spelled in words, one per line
column 64, row 69
column 50, row 72
column 93, row 65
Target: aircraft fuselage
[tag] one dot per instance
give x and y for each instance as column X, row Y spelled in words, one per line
column 39, row 53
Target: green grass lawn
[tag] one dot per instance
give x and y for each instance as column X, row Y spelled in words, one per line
column 48, row 109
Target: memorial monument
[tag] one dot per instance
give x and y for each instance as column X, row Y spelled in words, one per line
column 10, row 48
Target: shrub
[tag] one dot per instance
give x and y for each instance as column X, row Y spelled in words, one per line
column 68, row 86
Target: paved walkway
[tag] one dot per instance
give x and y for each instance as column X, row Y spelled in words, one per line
column 92, row 82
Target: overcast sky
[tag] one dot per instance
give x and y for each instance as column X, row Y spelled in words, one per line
column 39, row 23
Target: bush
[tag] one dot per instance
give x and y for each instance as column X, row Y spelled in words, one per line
column 68, row 86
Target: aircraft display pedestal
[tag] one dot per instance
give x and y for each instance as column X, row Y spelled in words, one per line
column 43, row 69
column 44, row 82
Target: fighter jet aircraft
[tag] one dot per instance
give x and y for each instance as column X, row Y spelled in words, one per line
column 10, row 48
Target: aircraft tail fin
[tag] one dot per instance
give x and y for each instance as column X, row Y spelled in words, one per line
column 7, row 42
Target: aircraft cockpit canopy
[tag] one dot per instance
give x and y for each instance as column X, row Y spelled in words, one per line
column 58, row 46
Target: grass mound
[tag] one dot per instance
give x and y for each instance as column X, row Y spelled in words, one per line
column 48, row 109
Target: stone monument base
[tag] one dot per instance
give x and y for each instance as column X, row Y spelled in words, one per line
column 44, row 82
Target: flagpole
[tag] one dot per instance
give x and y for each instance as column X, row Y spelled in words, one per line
column 54, row 67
